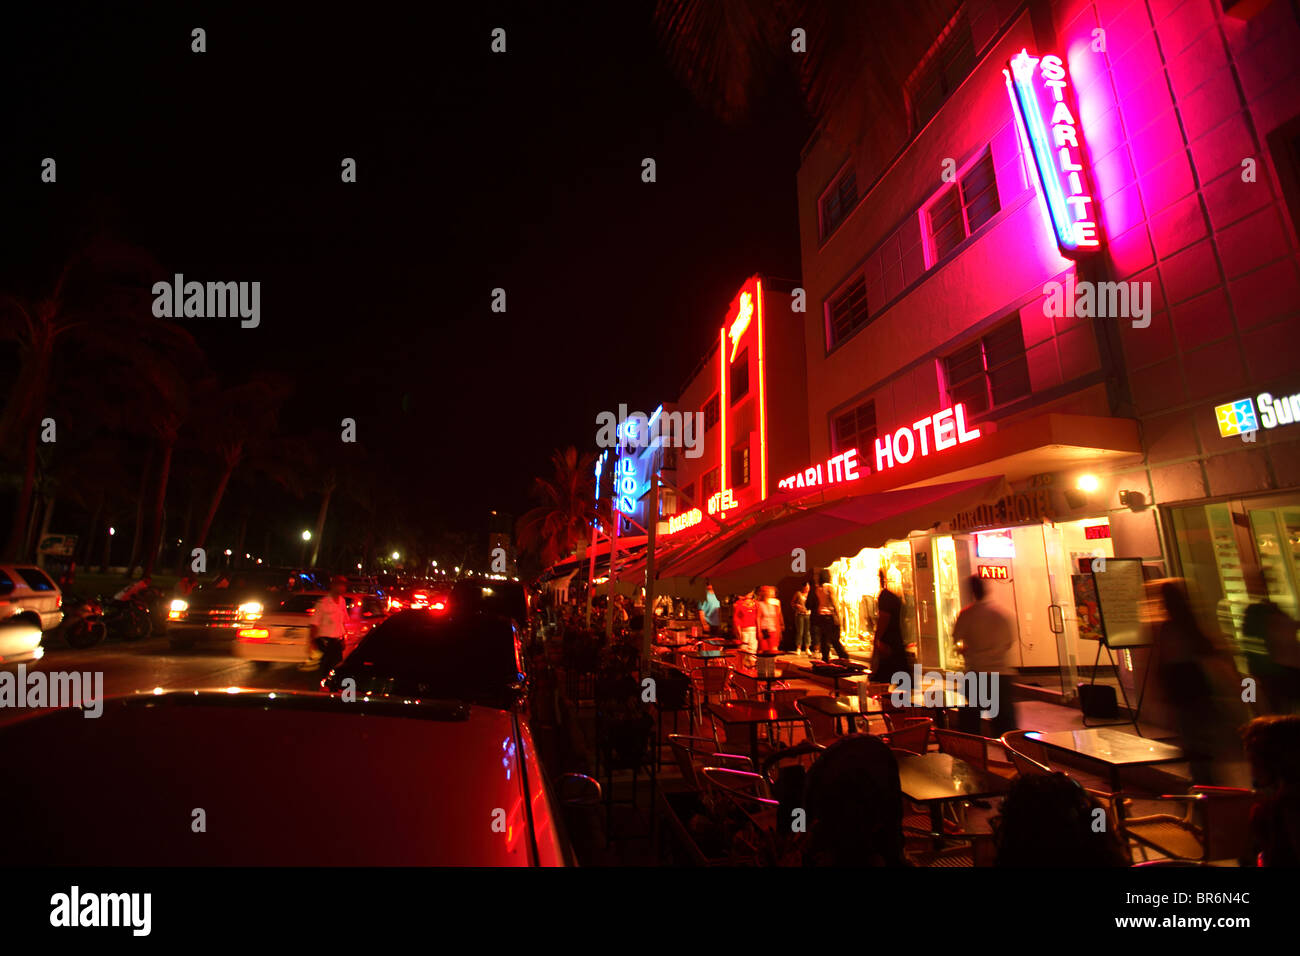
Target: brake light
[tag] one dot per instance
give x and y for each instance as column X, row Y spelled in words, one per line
column 438, row 606
column 394, row 604
column 254, row 635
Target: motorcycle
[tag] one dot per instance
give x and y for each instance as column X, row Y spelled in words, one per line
column 83, row 623
column 128, row 619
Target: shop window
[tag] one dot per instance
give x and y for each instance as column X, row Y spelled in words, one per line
column 959, row 210
column 711, row 413
column 739, row 469
column 738, row 386
column 838, row 201
column 990, row 372
column 947, row 64
column 710, row 484
column 856, row 428
column 847, row 312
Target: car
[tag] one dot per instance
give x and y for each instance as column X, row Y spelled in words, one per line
column 29, row 600
column 218, row 609
column 281, row 634
column 418, row 597
column 507, row 598
column 330, row 782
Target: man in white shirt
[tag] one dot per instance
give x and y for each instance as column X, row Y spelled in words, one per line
column 329, row 626
column 987, row 636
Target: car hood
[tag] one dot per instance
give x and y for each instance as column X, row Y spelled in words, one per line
column 304, row 780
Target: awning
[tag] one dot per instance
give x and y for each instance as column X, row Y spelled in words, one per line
column 630, row 548
column 841, row 528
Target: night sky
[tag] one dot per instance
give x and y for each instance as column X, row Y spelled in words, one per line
column 475, row 170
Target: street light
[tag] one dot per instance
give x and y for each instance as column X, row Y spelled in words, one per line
column 396, row 555
column 306, row 536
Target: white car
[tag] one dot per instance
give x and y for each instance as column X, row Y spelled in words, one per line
column 281, row 634
column 30, row 603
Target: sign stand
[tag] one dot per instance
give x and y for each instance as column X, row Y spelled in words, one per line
column 1120, row 590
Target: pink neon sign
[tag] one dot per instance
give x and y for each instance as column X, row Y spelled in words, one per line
column 839, row 468
column 1040, row 94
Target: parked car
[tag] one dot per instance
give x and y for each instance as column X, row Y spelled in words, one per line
column 27, row 591
column 282, row 632
column 218, row 609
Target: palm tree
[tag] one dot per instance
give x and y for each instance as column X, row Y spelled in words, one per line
column 726, row 52
column 566, row 509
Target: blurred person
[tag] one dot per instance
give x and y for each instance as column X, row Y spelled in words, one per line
column 770, row 622
column 1051, row 821
column 854, row 806
column 710, row 619
column 329, row 627
column 827, row 620
column 987, row 635
column 1186, row 662
column 744, row 621
column 1272, row 746
column 888, row 650
column 1277, row 670
column 802, row 628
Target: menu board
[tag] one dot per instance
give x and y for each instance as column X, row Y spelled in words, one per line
column 1120, row 593
column 1086, row 611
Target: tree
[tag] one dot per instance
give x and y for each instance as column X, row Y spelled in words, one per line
column 566, row 507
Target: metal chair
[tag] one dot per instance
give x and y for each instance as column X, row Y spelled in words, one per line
column 819, row 728
column 754, row 820
column 709, row 682
column 673, row 695
column 1019, row 743
column 1214, row 824
column 912, row 735
column 692, row 754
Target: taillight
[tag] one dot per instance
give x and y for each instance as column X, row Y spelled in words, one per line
column 394, row 604
column 438, row 606
column 254, row 635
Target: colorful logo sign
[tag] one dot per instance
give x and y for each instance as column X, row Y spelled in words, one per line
column 1236, row 418
column 1039, row 88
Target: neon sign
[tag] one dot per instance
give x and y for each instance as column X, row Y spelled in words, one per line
column 722, row 501
column 839, row 468
column 1038, row 92
column 687, row 519
column 994, row 572
column 1239, row 417
column 625, row 484
column 948, row 428
column 739, row 326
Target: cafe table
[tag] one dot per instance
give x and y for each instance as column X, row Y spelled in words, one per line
column 767, row 680
column 841, row 707
column 753, row 714
column 934, row 704
column 1111, row 748
column 937, row 779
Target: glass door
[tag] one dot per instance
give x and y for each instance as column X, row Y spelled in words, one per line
column 1061, row 616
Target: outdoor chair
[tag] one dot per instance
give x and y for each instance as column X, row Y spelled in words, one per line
column 672, row 696
column 973, row 749
column 1018, row 744
column 692, row 754
column 747, row 812
column 1214, row 824
column 912, row 735
column 623, row 743
column 819, row 728
column 709, row 682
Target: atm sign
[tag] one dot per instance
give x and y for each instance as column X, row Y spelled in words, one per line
column 995, row 572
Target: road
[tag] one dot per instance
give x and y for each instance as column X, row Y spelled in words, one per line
column 128, row 668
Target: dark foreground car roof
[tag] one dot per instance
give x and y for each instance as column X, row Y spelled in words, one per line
column 283, row 779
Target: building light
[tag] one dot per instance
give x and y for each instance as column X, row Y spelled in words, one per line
column 1088, row 483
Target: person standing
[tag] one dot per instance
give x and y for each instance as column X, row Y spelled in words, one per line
column 710, row 618
column 987, row 636
column 828, row 620
column 888, row 651
column 799, row 604
column 329, row 626
column 744, row 621
column 770, row 623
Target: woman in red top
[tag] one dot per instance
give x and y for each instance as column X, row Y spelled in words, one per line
column 769, row 621
column 744, row 618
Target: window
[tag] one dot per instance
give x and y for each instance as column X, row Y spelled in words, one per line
column 989, row 372
column 848, row 311
column 35, row 579
column 667, row 455
column 962, row 208
column 688, row 496
column 738, row 385
column 709, row 486
column 838, row 201
column 740, row 466
column 711, row 413
column 856, row 428
column 946, row 66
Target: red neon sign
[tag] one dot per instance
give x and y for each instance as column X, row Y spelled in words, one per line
column 838, row 468
column 994, row 572
column 948, row 428
column 739, row 326
column 1094, row 531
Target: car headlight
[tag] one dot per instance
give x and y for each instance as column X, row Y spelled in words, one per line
column 250, row 611
column 177, row 609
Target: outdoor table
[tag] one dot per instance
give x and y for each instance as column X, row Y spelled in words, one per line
column 753, row 713
column 938, row 778
column 707, row 658
column 1112, row 748
column 767, row 680
column 840, row 707
column 935, row 703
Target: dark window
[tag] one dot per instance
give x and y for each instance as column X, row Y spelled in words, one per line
column 838, row 201
column 989, row 372
column 740, row 466
column 6, row 583
column 739, row 384
column 963, row 207
column 709, row 486
column 856, row 428
column 711, row 413
column 35, row 579
column 947, row 67
column 667, row 458
column 848, row 311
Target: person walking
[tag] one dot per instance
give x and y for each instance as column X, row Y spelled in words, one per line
column 888, row 651
column 802, row 628
column 710, row 618
column 744, row 621
column 770, row 621
column 987, row 636
column 329, row 627
column 828, row 620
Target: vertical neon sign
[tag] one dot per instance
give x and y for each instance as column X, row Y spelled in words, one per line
column 762, row 400
column 1038, row 88
column 722, row 404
